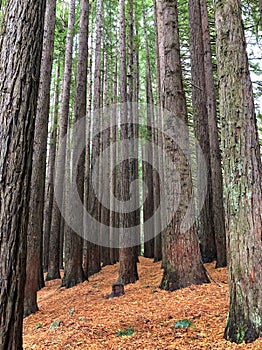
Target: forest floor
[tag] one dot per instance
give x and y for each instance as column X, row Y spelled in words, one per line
column 144, row 318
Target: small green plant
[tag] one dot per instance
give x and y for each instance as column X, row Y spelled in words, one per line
column 81, row 319
column 71, row 311
column 241, row 332
column 39, row 325
column 55, row 324
column 183, row 323
column 127, row 332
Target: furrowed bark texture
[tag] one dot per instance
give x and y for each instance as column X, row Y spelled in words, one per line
column 36, row 205
column 20, row 55
column 242, row 169
column 182, row 254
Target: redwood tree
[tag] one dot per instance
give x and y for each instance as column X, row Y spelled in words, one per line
column 128, row 266
column 54, row 247
column 49, row 191
column 182, row 254
column 94, row 259
column 242, row 169
column 215, row 153
column 148, row 171
column 74, row 273
column 20, row 54
column 35, row 227
column 200, row 117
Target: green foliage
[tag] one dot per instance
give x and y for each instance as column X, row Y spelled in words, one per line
column 127, row 332
column 39, row 325
column 183, row 323
column 241, row 333
column 144, row 133
column 55, row 324
column 60, row 29
column 71, row 311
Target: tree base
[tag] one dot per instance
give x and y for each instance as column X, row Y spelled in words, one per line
column 72, row 280
column 247, row 332
column 53, row 275
column 171, row 281
column 220, row 264
column 30, row 309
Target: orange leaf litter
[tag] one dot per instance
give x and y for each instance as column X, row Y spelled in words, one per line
column 88, row 320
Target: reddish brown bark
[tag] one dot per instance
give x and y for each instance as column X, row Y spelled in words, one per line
column 200, row 116
column 182, row 254
column 242, row 169
column 20, row 57
column 36, row 205
column 128, row 267
column 54, row 251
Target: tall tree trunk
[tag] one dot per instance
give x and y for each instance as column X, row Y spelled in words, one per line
column 242, row 169
column 156, row 26
column 103, row 97
column 205, row 224
column 49, row 193
column 132, row 81
column 53, row 262
column 94, row 260
column 113, row 157
column 88, row 147
column 147, row 167
column 128, row 266
column 74, row 273
column 156, row 139
column 20, row 57
column 105, row 250
column 215, row 154
column 135, row 119
column 183, row 259
column 36, row 205
column 161, row 52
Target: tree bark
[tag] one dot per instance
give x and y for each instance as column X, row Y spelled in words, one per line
column 88, row 148
column 36, row 205
column 157, row 140
column 182, row 254
column 215, row 153
column 242, row 169
column 94, row 258
column 51, row 168
column 160, row 141
column 161, row 50
column 54, row 250
column 113, row 157
column 200, row 117
column 147, row 167
column 74, row 273
column 20, row 57
column 128, row 267
column 105, row 213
